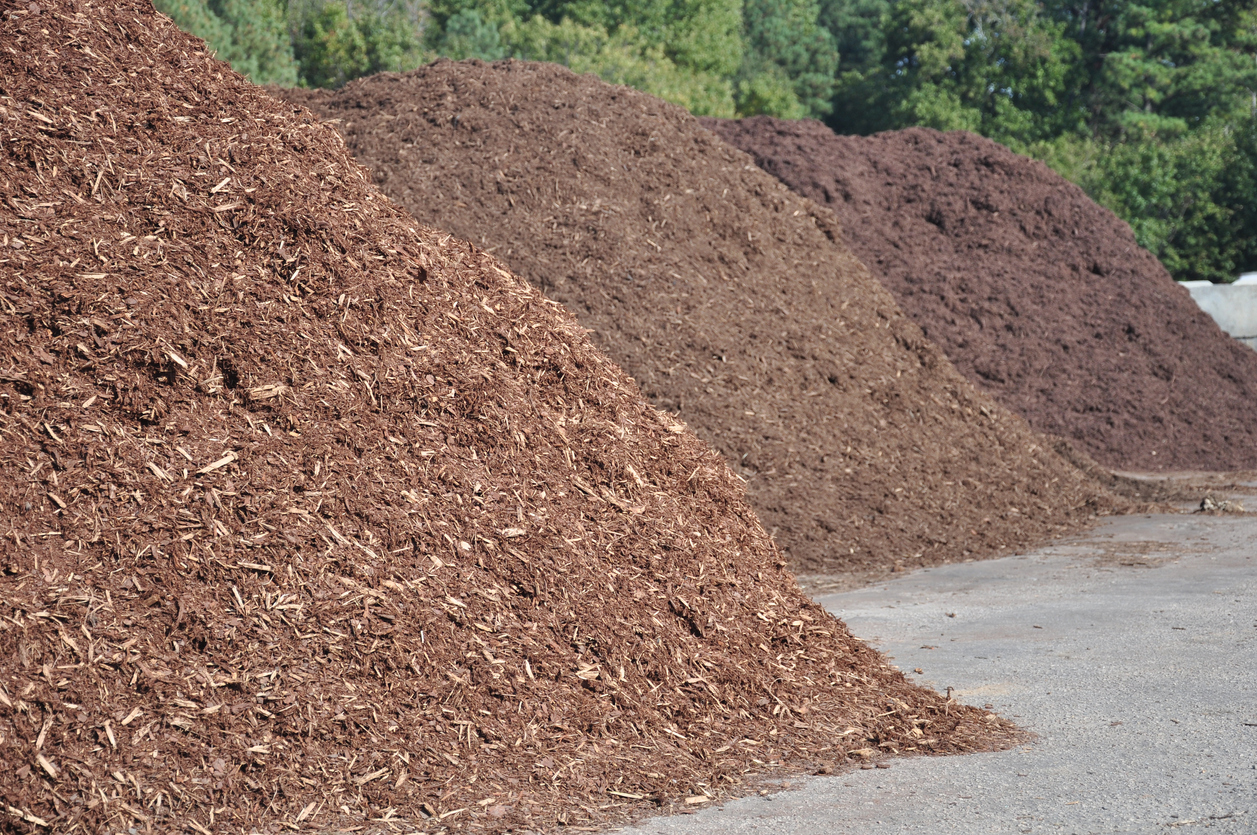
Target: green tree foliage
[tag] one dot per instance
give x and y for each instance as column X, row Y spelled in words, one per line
column 1240, row 190
column 334, row 42
column 685, row 51
column 494, row 14
column 251, row 35
column 790, row 60
column 1148, row 104
column 1160, row 64
column 763, row 87
column 312, row 43
column 467, row 35
column 1168, row 94
column 715, row 57
column 1175, row 194
column 995, row 67
column 621, row 58
column 699, row 35
column 1188, row 196
column 856, row 26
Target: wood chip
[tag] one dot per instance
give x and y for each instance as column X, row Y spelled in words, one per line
column 221, row 462
column 159, row 472
column 26, row 816
column 374, row 775
column 47, row 766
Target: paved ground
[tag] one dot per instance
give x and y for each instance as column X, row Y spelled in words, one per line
column 1131, row 652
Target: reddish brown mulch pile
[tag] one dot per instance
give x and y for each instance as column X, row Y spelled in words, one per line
column 314, row 516
column 1036, row 293
column 724, row 296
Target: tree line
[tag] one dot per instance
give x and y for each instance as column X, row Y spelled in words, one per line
column 1149, row 105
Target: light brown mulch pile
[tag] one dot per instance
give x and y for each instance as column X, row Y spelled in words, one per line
column 312, row 516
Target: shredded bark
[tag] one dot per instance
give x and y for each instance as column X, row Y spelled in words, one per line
column 314, row 516
column 1038, row 295
column 734, row 303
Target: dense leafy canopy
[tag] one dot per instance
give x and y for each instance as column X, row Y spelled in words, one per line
column 715, row 57
column 314, row 43
column 790, row 60
column 333, row 47
column 994, row 67
column 251, row 35
column 1148, row 104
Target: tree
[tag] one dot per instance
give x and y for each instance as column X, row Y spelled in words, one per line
column 857, row 29
column 314, row 43
column 1170, row 93
column 764, row 88
column 333, row 44
column 995, row 67
column 684, row 51
column 467, row 35
column 1173, row 193
column 787, row 51
column 1161, row 65
column 622, row 58
column 1239, row 187
column 251, row 35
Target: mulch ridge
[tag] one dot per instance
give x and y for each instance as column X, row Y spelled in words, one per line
column 1037, row 294
column 312, row 516
column 731, row 301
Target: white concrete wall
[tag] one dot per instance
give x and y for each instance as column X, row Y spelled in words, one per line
column 1232, row 306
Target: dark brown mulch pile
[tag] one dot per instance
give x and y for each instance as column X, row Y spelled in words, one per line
column 724, row 296
column 313, row 516
column 1036, row 293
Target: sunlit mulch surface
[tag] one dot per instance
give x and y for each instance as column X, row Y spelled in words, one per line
column 1037, row 294
column 733, row 302
column 312, row 516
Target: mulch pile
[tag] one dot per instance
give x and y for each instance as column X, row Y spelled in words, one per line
column 729, row 301
column 1037, row 294
column 313, row 516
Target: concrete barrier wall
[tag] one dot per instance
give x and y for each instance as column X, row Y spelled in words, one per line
column 1232, row 306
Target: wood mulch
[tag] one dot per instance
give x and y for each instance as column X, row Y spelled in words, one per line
column 313, row 516
column 734, row 303
column 1038, row 295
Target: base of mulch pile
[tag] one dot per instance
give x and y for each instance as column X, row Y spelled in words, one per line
column 733, row 303
column 1037, row 294
column 313, row 517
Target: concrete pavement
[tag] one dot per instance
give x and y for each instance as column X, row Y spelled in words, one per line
column 1131, row 652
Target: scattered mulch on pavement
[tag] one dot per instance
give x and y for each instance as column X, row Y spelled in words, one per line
column 1216, row 505
column 727, row 298
column 311, row 516
column 1036, row 293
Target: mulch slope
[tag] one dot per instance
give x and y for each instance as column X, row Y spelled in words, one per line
column 1037, row 294
column 727, row 299
column 310, row 515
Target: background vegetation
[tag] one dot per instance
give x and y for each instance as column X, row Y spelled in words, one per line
column 1149, row 105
